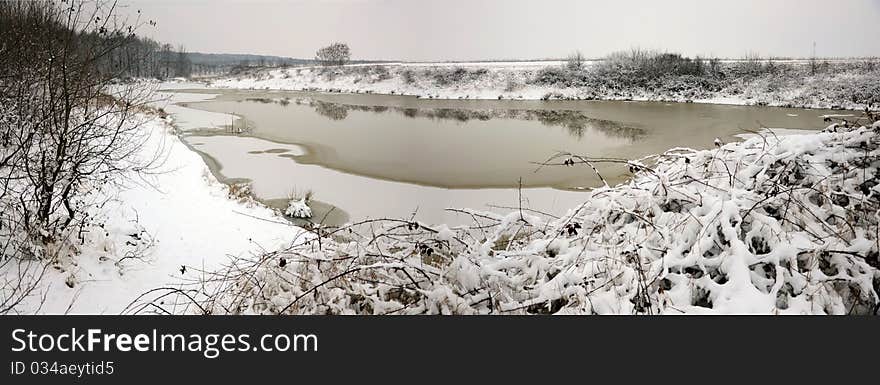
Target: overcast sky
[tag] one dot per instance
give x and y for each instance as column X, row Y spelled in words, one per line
column 511, row 29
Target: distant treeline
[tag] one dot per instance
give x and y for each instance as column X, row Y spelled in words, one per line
column 146, row 58
column 129, row 55
column 115, row 48
column 141, row 57
column 224, row 63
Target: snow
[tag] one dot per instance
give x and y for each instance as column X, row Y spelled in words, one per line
column 180, row 215
column 793, row 87
column 836, row 116
column 299, row 208
column 189, row 119
column 478, row 64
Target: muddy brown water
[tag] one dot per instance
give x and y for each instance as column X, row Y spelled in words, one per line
column 372, row 156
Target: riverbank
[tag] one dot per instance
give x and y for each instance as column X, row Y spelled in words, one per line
column 843, row 84
column 157, row 231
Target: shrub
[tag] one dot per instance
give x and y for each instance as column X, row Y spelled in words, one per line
column 560, row 77
column 456, row 75
column 335, row 54
column 408, row 76
column 575, row 61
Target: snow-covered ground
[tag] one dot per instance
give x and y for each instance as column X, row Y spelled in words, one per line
column 843, row 84
column 402, row 79
column 512, row 63
column 179, row 216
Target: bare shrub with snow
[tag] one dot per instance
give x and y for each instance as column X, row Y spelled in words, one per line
column 664, row 76
column 575, row 61
column 66, row 130
column 454, row 75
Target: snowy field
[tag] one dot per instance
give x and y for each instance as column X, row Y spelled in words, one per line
column 840, row 84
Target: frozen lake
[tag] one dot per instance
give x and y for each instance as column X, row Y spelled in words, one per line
column 377, row 156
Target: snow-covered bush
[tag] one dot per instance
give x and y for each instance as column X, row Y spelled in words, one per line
column 241, row 192
column 444, row 76
column 845, row 85
column 298, row 205
column 688, row 87
column 751, row 66
column 560, row 77
column 408, row 76
column 375, row 73
column 298, row 208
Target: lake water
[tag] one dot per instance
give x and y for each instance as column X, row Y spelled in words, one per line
column 379, row 156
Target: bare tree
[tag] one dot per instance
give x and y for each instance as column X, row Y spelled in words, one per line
column 813, row 64
column 183, row 65
column 165, row 57
column 335, row 54
column 575, row 61
column 66, row 128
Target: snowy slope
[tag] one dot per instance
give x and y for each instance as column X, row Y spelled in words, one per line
column 179, row 216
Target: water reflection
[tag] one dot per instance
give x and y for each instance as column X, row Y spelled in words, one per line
column 576, row 122
column 377, row 155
